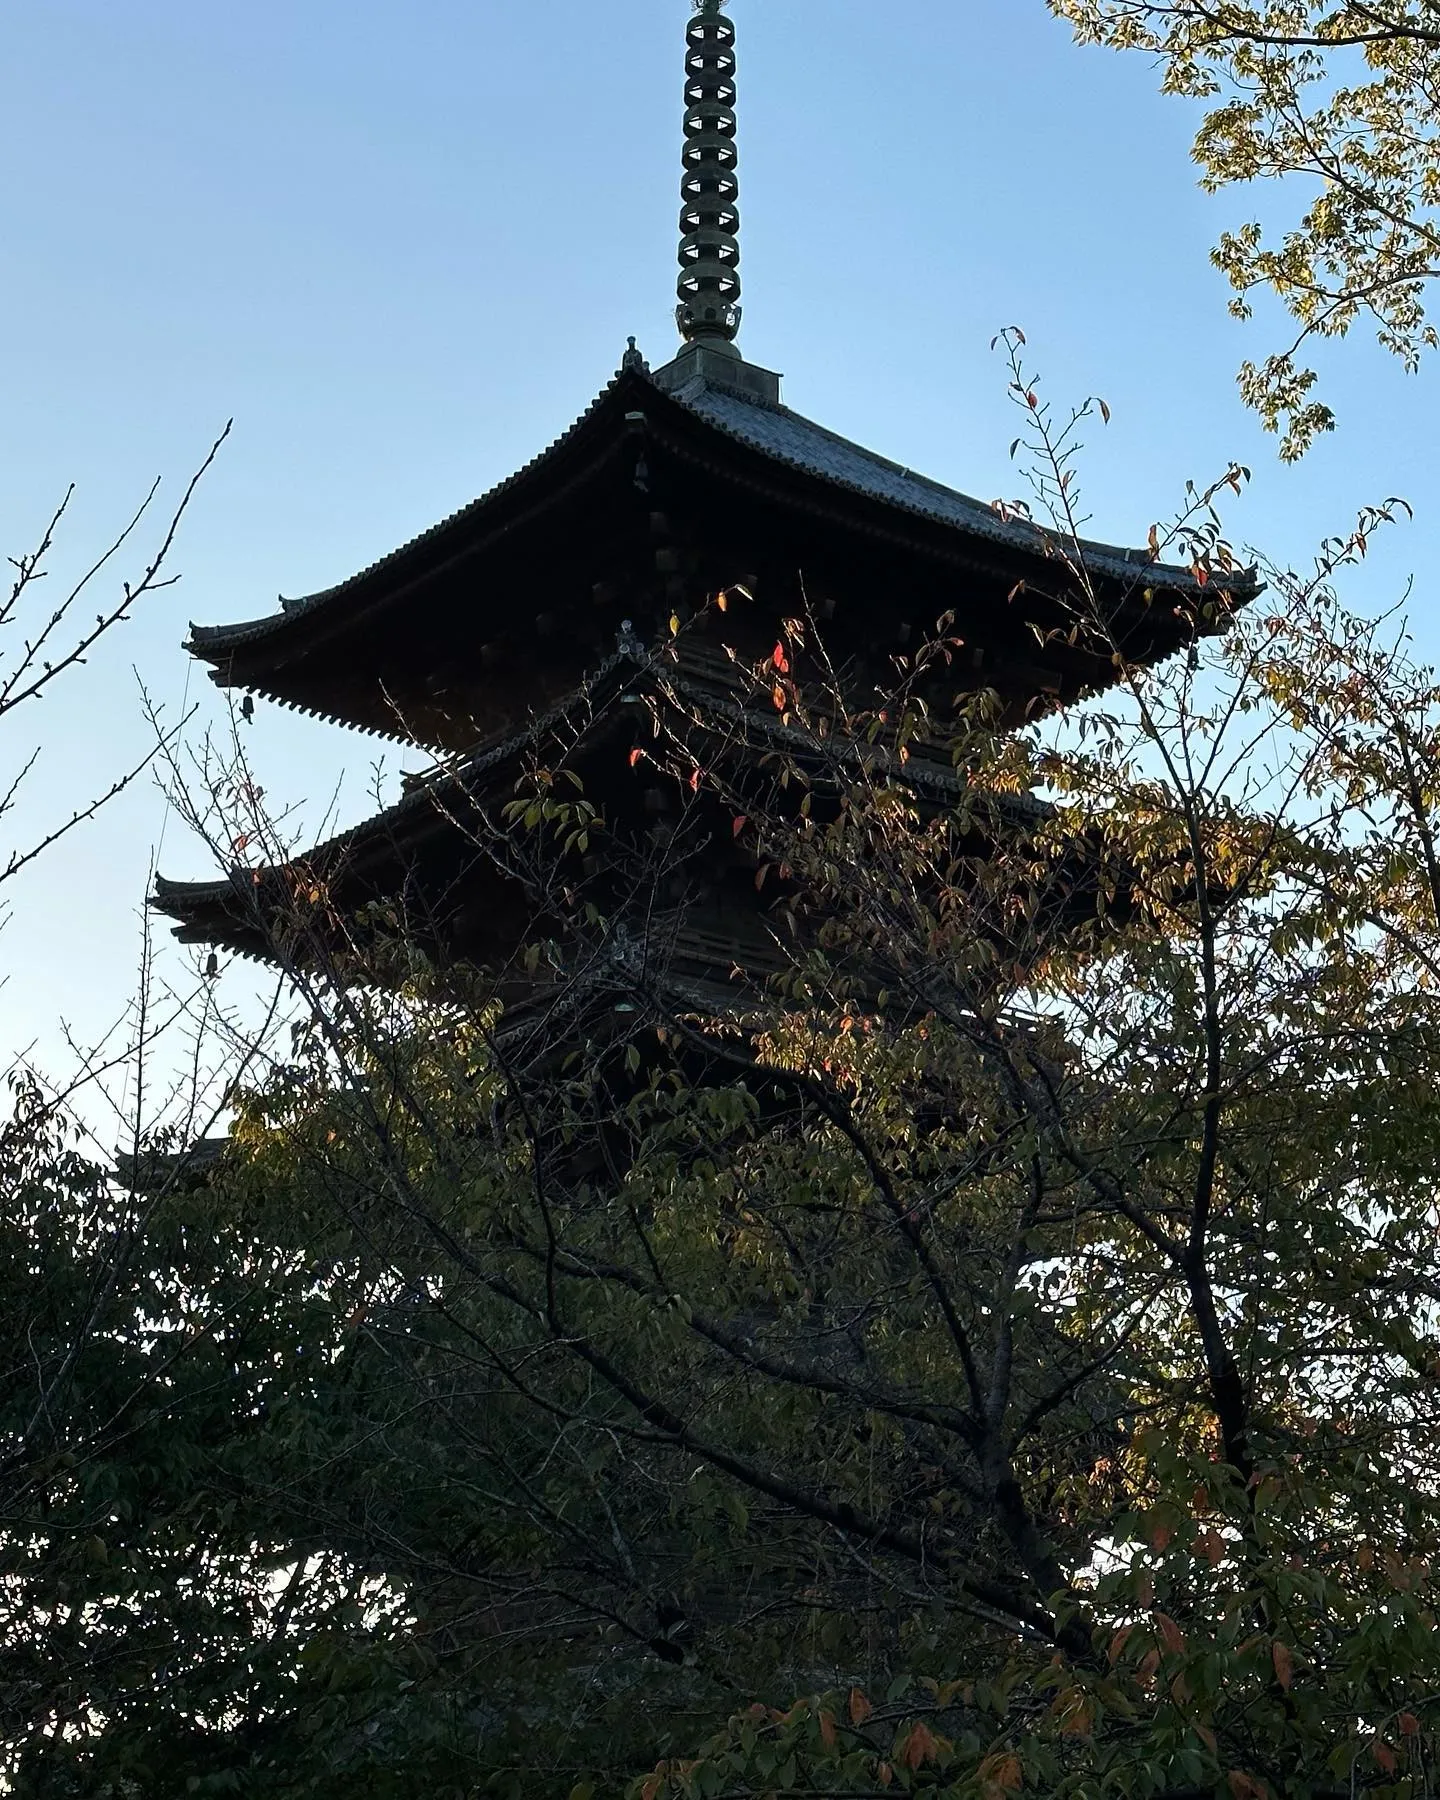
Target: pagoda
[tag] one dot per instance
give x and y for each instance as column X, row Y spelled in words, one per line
column 557, row 628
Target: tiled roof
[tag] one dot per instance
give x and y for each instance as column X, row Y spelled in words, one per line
column 787, row 439
column 790, row 438
column 203, row 637
column 429, row 798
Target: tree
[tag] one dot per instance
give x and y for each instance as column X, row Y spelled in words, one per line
column 43, row 644
column 1334, row 97
column 156, row 1602
column 1020, row 1341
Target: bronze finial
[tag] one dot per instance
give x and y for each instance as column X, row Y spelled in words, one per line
column 709, row 286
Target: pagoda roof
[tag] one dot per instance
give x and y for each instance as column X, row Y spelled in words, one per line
column 789, row 438
column 442, row 806
column 723, row 430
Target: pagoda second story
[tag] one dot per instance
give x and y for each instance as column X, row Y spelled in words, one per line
column 624, row 583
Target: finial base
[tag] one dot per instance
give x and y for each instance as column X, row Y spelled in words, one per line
column 719, row 365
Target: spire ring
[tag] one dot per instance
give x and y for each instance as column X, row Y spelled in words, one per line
column 709, row 285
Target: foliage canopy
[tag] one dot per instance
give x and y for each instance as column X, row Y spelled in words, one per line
column 1338, row 97
column 1014, row 1332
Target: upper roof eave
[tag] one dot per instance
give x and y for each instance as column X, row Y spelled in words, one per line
column 213, row 641
column 789, row 438
column 784, row 439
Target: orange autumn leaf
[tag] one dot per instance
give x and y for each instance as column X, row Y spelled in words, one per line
column 635, row 756
column 1002, row 1775
column 917, row 1747
column 1077, row 1714
column 827, row 1730
column 884, row 1774
column 860, row 1707
column 1283, row 1663
column 1241, row 1786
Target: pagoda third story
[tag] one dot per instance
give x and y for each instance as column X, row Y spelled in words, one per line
column 551, row 623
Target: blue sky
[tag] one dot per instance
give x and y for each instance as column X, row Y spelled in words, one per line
column 403, row 247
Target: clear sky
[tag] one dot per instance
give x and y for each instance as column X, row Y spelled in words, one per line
column 403, row 246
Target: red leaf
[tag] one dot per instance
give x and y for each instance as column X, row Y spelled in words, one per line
column 827, row 1730
column 1384, row 1755
column 860, row 1707
column 695, row 779
column 1409, row 1724
column 635, row 756
column 780, row 660
column 1171, row 1635
column 740, row 825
